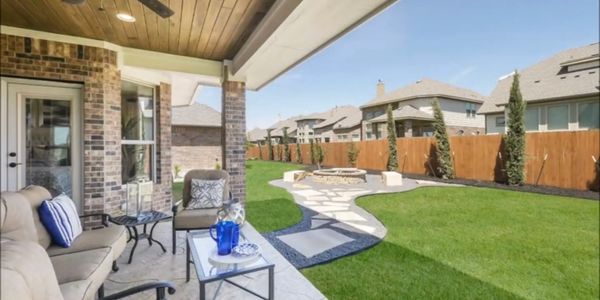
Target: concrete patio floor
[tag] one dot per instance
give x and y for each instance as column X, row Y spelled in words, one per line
column 150, row 263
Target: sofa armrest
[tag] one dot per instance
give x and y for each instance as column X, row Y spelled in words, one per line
column 160, row 287
column 104, row 217
column 176, row 207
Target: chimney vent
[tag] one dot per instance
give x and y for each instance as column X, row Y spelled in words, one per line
column 380, row 88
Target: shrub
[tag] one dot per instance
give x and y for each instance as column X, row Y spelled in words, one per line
column 319, row 154
column 260, row 156
column 515, row 136
column 286, row 147
column 298, row 153
column 177, row 169
column 312, row 152
column 269, row 145
column 392, row 163
column 443, row 152
column 353, row 154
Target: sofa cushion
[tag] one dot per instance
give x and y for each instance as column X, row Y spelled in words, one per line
column 61, row 220
column 77, row 290
column 94, row 265
column 17, row 222
column 113, row 236
column 36, row 195
column 195, row 218
column 26, row 272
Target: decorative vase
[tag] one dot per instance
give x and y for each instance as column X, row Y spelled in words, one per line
column 138, row 199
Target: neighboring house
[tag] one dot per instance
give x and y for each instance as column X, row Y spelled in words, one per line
column 562, row 93
column 278, row 128
column 195, row 137
column 257, row 136
column 340, row 124
column 413, row 112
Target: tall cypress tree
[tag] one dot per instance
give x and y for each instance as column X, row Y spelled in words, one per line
column 269, row 145
column 260, row 156
column 515, row 137
column 286, row 146
column 443, row 152
column 392, row 163
column 298, row 153
column 312, row 152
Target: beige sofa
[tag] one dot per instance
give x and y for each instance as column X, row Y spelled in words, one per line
column 33, row 268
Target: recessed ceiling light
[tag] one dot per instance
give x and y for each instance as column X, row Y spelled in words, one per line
column 125, row 17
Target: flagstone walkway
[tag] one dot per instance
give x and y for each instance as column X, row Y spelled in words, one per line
column 333, row 225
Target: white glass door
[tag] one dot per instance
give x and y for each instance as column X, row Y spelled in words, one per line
column 41, row 139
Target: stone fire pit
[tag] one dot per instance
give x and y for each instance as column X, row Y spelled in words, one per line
column 340, row 176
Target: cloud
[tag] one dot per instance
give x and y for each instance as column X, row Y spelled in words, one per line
column 460, row 75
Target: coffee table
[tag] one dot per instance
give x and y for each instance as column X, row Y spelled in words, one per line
column 131, row 224
column 200, row 245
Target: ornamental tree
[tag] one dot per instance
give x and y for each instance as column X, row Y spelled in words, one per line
column 353, row 154
column 444, row 154
column 392, row 163
column 269, row 145
column 286, row 146
column 312, row 152
column 515, row 136
column 298, row 153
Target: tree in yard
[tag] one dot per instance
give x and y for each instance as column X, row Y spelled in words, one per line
column 392, row 163
column 515, row 136
column 269, row 145
column 298, row 153
column 259, row 151
column 443, row 152
column 312, row 152
column 353, row 154
column 286, row 147
column 319, row 154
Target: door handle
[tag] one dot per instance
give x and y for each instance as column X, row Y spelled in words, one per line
column 13, row 164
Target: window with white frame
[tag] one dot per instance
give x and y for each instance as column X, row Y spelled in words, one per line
column 500, row 121
column 589, row 115
column 558, row 117
column 137, row 132
column 532, row 119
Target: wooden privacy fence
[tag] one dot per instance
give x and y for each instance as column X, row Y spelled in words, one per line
column 559, row 159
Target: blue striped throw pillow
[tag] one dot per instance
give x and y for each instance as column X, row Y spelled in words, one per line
column 61, row 219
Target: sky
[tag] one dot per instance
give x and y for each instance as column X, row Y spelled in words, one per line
column 466, row 43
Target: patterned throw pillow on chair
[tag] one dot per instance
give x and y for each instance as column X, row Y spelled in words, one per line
column 206, row 193
column 61, row 219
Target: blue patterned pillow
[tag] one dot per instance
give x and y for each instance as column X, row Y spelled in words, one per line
column 61, row 219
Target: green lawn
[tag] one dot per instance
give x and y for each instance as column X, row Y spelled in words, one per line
column 467, row 243
column 268, row 208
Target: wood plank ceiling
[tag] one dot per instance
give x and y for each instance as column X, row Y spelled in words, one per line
column 210, row 29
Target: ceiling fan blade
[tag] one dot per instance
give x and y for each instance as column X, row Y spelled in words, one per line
column 157, row 7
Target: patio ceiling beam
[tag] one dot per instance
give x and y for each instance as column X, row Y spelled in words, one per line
column 130, row 56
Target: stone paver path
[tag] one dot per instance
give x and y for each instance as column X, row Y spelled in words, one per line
column 333, row 225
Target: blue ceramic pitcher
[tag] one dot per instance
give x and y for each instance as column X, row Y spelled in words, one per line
column 226, row 234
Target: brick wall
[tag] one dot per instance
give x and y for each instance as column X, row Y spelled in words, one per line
column 196, row 147
column 162, row 188
column 233, row 114
column 96, row 69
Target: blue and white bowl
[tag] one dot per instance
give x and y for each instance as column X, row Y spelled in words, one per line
column 245, row 249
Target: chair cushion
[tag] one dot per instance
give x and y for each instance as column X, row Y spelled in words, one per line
column 204, row 175
column 61, row 220
column 114, row 237
column 17, row 221
column 206, row 193
column 94, row 265
column 78, row 290
column 26, row 272
column 36, row 195
column 195, row 218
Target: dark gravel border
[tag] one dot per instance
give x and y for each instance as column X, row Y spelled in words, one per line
column 362, row 241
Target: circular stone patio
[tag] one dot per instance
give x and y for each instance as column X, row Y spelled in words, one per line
column 333, row 226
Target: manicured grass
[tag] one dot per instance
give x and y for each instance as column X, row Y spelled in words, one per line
column 268, row 208
column 467, row 243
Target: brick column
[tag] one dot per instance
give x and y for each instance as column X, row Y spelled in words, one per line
column 233, row 117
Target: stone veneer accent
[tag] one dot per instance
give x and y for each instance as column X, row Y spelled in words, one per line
column 195, row 147
column 96, row 68
column 233, row 116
